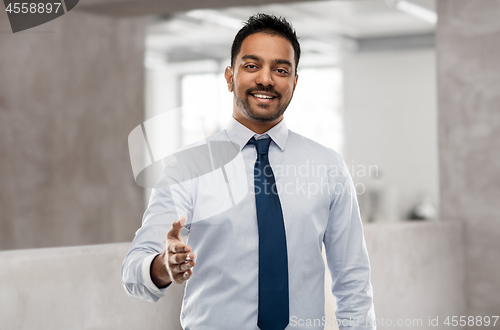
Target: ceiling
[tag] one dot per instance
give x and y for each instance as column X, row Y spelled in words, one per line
column 325, row 29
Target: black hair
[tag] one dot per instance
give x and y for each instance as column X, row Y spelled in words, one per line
column 270, row 24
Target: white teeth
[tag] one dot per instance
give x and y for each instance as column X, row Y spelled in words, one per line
column 260, row 96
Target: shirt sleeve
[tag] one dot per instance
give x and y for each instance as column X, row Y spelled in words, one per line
column 347, row 257
column 150, row 239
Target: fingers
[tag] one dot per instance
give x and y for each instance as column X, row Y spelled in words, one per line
column 180, row 258
column 182, row 271
column 181, row 268
column 175, row 231
column 175, row 244
column 177, row 247
column 182, row 277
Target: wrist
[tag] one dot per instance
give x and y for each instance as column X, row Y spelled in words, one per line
column 158, row 272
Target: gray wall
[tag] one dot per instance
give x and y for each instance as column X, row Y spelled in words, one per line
column 76, row 288
column 71, row 91
column 417, row 272
column 468, row 46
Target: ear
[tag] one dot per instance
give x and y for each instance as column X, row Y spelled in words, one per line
column 295, row 81
column 228, row 74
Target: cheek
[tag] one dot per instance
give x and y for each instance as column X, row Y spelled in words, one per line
column 287, row 88
column 238, row 89
column 243, row 82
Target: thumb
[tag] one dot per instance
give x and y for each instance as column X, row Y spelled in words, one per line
column 175, row 231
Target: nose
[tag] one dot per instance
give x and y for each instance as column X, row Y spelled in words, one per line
column 265, row 77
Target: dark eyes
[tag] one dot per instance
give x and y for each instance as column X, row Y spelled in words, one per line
column 279, row 71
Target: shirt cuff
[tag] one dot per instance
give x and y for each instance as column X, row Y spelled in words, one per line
column 146, row 276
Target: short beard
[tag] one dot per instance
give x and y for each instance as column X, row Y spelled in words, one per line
column 245, row 107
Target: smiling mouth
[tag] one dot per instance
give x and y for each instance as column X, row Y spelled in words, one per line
column 262, row 96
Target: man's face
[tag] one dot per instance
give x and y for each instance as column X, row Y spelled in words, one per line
column 263, row 79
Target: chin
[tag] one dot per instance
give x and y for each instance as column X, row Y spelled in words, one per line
column 261, row 114
column 264, row 118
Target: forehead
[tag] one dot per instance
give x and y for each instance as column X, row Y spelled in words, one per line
column 268, row 47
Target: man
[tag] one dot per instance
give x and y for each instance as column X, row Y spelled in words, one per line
column 259, row 263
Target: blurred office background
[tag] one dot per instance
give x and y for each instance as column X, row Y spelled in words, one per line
column 407, row 91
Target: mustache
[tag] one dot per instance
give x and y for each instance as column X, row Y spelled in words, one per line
column 263, row 89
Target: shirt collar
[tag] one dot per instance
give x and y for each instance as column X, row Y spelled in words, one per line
column 240, row 134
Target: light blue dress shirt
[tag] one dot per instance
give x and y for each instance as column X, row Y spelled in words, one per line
column 319, row 205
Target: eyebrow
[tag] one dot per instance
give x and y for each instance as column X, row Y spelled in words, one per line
column 257, row 58
column 281, row 61
column 251, row 57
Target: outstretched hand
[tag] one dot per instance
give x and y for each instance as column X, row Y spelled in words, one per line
column 175, row 263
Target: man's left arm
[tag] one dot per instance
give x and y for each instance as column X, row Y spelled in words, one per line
column 347, row 256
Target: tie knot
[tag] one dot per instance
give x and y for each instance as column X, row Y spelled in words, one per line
column 262, row 145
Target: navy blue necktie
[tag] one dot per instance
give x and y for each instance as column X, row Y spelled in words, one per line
column 273, row 261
